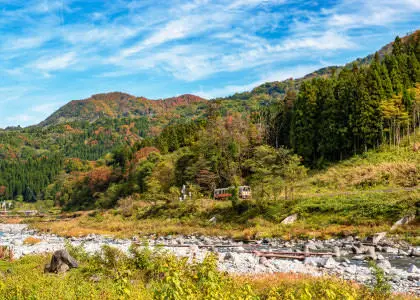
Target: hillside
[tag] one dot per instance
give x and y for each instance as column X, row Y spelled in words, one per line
column 118, row 105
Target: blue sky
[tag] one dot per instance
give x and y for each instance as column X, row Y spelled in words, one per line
column 56, row 51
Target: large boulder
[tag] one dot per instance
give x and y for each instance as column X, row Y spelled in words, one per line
column 290, row 219
column 61, row 261
column 413, row 269
column 403, row 221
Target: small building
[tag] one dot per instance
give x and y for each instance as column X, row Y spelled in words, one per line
column 244, row 192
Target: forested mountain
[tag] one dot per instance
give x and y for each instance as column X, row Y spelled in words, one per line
column 95, row 151
column 118, row 105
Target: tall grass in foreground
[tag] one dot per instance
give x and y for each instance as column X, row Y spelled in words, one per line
column 147, row 274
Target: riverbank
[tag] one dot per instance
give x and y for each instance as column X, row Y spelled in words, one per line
column 321, row 217
column 347, row 259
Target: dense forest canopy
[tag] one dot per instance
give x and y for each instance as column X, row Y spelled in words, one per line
column 266, row 138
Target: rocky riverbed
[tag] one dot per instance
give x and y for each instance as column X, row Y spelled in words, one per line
column 344, row 258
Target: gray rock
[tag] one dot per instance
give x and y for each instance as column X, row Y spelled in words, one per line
column 414, row 277
column 324, row 262
column 309, row 246
column 377, row 237
column 63, row 268
column 313, row 261
column 415, row 252
column 384, row 264
column 290, row 219
column 413, row 269
column 349, row 239
column 380, row 257
column 61, row 261
column 371, row 253
column 228, row 256
column 358, row 257
column 391, row 250
column 403, row 253
column 403, row 221
column 337, row 252
column 262, row 260
column 356, row 250
column 329, row 263
column 213, row 220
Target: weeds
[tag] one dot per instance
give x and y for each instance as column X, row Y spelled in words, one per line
column 156, row 274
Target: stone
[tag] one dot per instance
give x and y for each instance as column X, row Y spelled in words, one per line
column 313, row 261
column 349, row 239
column 347, row 260
column 61, row 261
column 358, row 257
column 308, row 247
column 377, row 237
column 337, row 252
column 413, row 269
column 213, row 220
column 414, row 277
column 356, row 250
column 402, row 253
column 380, row 257
column 371, row 253
column 415, row 252
column 228, row 256
column 384, row 264
column 263, row 260
column 391, row 250
column 329, row 263
column 290, row 219
column 403, row 221
column 63, row 268
column 325, row 262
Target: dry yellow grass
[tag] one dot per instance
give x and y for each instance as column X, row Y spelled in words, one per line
column 31, row 241
column 117, row 226
column 401, row 174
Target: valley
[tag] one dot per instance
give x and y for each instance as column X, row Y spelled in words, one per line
column 126, row 184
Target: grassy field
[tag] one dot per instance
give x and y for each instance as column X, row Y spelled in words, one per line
column 158, row 275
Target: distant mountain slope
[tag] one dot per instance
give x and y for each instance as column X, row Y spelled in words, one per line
column 117, row 105
column 278, row 89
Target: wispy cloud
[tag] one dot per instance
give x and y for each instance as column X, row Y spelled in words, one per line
column 54, row 63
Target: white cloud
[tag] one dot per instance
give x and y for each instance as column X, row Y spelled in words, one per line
column 93, row 35
column 250, row 3
column 24, row 43
column 56, row 62
column 328, row 41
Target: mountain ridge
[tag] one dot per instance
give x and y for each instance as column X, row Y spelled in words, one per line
column 117, row 104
